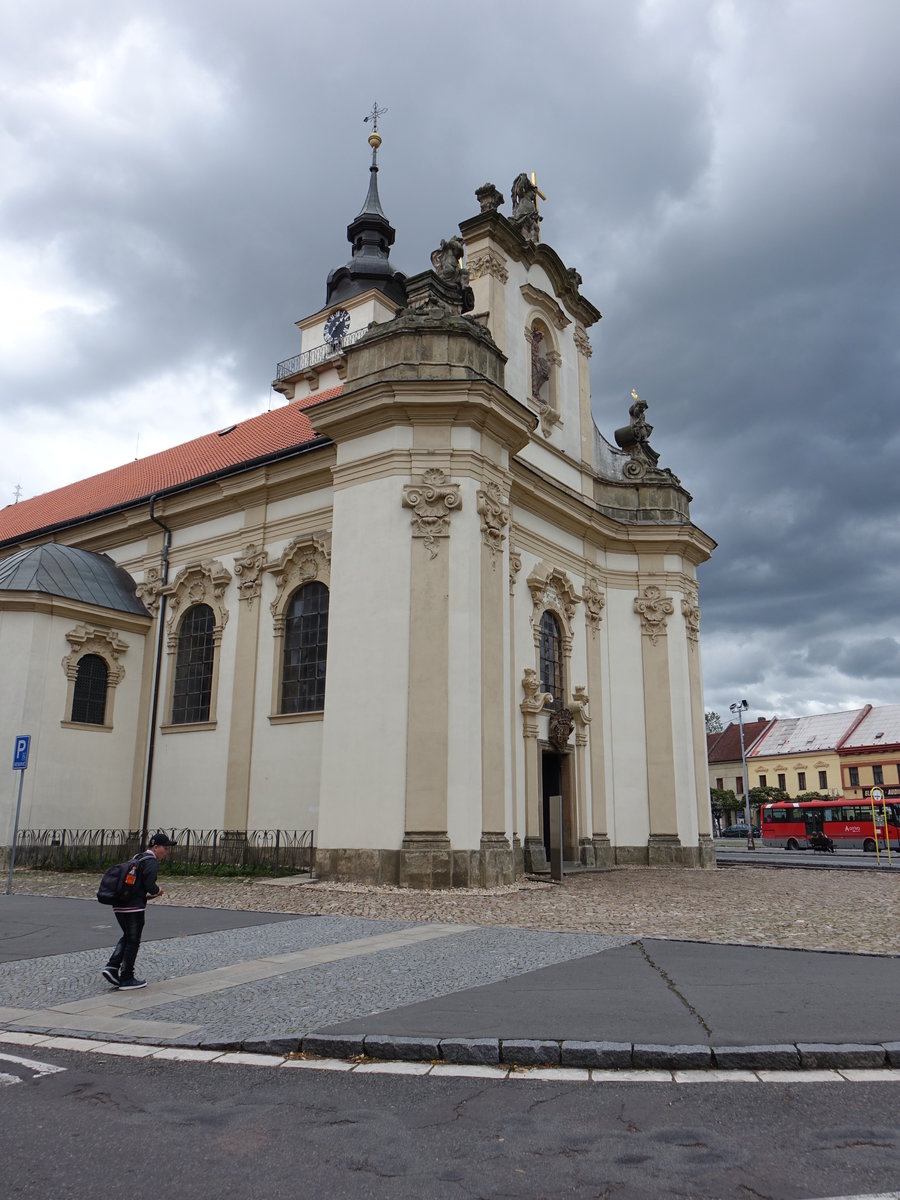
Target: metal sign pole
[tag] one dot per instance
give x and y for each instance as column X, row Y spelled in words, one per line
column 20, row 763
column 12, row 853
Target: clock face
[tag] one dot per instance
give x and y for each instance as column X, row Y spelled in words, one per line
column 337, row 325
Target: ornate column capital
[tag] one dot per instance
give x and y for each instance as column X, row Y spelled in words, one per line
column 653, row 608
column 690, row 610
column 248, row 566
column 494, row 512
column 594, row 601
column 432, row 500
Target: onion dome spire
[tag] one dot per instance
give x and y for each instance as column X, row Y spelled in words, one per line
column 371, row 235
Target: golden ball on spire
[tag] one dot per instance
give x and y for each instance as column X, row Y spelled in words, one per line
column 374, row 139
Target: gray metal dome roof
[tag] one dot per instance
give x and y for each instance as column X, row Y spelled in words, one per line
column 73, row 574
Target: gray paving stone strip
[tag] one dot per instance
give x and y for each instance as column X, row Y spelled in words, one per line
column 107, row 1014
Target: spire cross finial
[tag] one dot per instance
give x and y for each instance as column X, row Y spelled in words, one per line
column 374, row 115
column 18, row 493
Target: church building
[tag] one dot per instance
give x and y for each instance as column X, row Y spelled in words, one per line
column 407, row 608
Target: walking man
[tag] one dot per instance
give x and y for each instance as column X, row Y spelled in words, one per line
column 119, row 971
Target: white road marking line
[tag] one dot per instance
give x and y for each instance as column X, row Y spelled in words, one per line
column 39, row 1068
column 5, row 1080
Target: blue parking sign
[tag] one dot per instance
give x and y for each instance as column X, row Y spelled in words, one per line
column 20, row 754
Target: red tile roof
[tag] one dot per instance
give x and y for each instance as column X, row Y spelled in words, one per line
column 727, row 748
column 281, row 429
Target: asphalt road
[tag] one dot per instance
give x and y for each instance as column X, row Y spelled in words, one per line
column 151, row 1129
column 733, row 852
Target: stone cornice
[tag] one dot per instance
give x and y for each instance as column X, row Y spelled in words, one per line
column 72, row 610
column 477, row 403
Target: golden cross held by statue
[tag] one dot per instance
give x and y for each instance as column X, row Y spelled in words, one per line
column 537, row 190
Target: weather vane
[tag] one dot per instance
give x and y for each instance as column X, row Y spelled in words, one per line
column 374, row 115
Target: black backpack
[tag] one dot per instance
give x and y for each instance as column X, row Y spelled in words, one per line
column 117, row 882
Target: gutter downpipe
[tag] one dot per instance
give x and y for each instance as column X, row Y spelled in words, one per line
column 154, row 702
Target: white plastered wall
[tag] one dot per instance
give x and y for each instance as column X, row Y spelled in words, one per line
column 626, row 744
column 464, row 784
column 363, row 782
column 76, row 778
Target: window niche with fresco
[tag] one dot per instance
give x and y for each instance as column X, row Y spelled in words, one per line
column 544, row 378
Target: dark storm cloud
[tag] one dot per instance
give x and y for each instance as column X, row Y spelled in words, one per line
column 724, row 177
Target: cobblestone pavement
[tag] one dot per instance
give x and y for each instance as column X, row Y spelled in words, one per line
column 804, row 909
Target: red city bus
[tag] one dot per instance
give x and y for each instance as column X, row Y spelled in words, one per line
column 792, row 823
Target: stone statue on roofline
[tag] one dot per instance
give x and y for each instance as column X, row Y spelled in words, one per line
column 525, row 215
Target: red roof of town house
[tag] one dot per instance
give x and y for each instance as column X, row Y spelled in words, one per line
column 283, row 428
column 727, row 748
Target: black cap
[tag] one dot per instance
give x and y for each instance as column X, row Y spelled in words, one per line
column 161, row 839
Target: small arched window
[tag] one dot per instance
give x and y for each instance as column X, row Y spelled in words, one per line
column 305, row 650
column 194, row 666
column 89, row 693
column 551, row 659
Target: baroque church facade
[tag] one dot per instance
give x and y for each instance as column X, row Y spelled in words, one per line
column 405, row 608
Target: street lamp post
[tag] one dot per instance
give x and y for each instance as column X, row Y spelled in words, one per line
column 740, row 707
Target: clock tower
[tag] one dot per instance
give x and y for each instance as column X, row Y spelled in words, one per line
column 364, row 290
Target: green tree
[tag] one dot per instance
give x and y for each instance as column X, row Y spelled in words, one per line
column 714, row 723
column 766, row 795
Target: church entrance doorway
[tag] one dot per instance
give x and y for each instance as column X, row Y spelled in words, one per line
column 556, row 780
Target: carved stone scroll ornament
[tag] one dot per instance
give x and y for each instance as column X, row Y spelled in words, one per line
column 198, row 583
column 535, row 699
column 653, row 608
column 249, row 567
column 105, row 643
column 488, row 262
column 560, row 728
column 549, row 417
column 432, row 501
column 305, row 559
column 594, row 601
column 579, row 706
column 583, row 342
column 690, row 610
column 150, row 590
column 494, row 513
column 552, row 588
column 515, row 566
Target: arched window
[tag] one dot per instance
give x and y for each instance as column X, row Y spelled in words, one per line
column 551, row 659
column 194, row 666
column 89, row 693
column 305, row 650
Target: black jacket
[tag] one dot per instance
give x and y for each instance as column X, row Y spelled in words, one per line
column 144, row 885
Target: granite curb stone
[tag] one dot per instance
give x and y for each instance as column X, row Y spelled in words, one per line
column 333, row 1045
column 608, row 1055
column 846, row 1054
column 765, row 1058
column 470, row 1051
column 680, row 1058
column 892, row 1049
column 525, row 1052
column 401, row 1049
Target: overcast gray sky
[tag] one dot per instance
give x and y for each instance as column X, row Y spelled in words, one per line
column 176, row 179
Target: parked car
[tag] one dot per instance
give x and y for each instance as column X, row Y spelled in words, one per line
column 738, row 831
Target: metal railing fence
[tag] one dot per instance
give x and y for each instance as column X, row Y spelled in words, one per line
column 195, row 851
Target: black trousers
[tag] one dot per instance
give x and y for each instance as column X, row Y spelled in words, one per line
column 132, row 926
